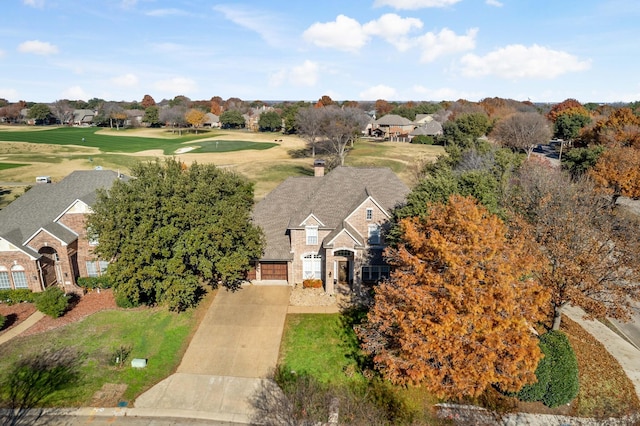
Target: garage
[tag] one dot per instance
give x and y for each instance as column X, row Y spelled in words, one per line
column 273, row 271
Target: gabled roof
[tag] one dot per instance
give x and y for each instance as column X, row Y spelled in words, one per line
column 37, row 208
column 393, row 120
column 330, row 198
column 429, row 129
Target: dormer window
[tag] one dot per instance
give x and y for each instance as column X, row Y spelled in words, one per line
column 312, row 235
column 369, row 214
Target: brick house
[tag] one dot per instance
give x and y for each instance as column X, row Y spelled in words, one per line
column 328, row 227
column 43, row 240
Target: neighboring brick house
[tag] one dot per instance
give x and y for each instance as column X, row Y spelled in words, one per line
column 43, row 240
column 328, row 226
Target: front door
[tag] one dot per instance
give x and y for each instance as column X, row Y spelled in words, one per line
column 343, row 272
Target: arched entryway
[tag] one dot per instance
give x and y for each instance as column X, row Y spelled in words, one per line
column 49, row 265
column 343, row 267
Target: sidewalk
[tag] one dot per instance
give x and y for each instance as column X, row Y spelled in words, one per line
column 624, row 352
column 20, row 328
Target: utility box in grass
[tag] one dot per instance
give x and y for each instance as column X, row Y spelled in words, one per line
column 139, row 363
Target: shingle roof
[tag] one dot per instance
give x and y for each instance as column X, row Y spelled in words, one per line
column 429, row 129
column 38, row 207
column 330, row 198
column 393, row 120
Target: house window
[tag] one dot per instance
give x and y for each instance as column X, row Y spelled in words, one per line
column 19, row 277
column 312, row 235
column 311, row 266
column 374, row 273
column 103, row 266
column 4, row 279
column 343, row 253
column 374, row 234
column 92, row 271
column 369, row 214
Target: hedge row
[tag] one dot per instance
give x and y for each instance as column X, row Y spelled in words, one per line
column 52, row 301
column 94, row 282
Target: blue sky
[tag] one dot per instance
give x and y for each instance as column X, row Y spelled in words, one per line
column 542, row 50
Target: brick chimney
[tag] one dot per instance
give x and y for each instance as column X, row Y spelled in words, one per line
column 318, row 168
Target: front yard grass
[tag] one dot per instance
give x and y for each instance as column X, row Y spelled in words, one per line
column 155, row 334
column 324, row 346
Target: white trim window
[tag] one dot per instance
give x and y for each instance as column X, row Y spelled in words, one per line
column 19, row 277
column 5, row 284
column 369, row 214
column 92, row 271
column 312, row 235
column 312, row 266
column 374, row 234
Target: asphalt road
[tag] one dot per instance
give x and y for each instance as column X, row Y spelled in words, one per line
column 631, row 329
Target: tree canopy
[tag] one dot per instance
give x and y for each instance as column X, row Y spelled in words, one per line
column 172, row 230
column 523, row 130
column 457, row 312
column 232, row 119
column 270, row 121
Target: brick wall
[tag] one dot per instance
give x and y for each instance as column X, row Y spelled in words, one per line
column 10, row 258
column 77, row 222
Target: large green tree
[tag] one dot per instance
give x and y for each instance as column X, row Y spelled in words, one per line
column 232, row 119
column 270, row 121
column 172, row 230
column 39, row 112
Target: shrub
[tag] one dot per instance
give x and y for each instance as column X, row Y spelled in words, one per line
column 423, row 139
column 563, row 383
column 312, row 283
column 123, row 301
column 11, row 297
column 52, row 302
column 3, row 319
column 94, row 282
column 537, row 391
column 557, row 372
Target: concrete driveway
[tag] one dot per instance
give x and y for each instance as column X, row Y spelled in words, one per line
column 228, row 360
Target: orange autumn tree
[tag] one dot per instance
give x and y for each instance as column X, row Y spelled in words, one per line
column 617, row 173
column 456, row 315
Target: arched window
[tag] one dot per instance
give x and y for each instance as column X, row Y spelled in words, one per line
column 19, row 277
column 343, row 253
column 311, row 266
column 5, row 284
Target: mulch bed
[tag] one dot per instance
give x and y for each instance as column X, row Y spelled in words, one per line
column 81, row 308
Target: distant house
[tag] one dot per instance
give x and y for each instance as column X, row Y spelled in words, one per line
column 430, row 128
column 43, row 241
column 83, row 117
column 328, row 227
column 211, row 120
column 392, row 126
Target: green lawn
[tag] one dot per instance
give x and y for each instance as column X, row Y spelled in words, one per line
column 228, row 146
column 322, row 346
column 7, row 166
column 155, row 334
column 126, row 141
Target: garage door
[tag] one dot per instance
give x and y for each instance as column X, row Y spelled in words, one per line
column 273, row 271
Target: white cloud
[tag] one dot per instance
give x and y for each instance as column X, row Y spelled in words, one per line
column 75, row 93
column 393, row 29
column 34, row 3
column 495, row 3
column 343, row 34
column 9, row 94
column 37, row 47
column 379, row 92
column 166, row 12
column 175, row 85
column 414, row 4
column 252, row 19
column 446, row 42
column 305, row 74
column 517, row 61
column 127, row 80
